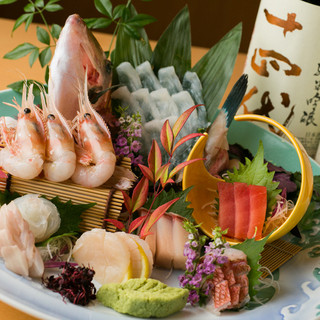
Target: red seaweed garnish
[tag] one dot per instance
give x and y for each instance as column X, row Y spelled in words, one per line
column 74, row 283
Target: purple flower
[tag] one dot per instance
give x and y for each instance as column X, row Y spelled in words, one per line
column 184, row 280
column 222, row 259
column 137, row 133
column 193, row 297
column 135, row 146
column 124, row 151
column 189, row 265
column 138, row 160
column 131, row 156
column 121, row 141
column 196, row 280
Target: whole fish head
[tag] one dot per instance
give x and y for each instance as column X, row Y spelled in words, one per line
column 78, row 55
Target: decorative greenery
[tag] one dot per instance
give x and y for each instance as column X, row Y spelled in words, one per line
column 159, row 176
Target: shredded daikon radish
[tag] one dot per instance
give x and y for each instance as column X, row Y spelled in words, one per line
column 279, row 216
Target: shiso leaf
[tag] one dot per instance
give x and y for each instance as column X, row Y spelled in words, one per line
column 6, row 196
column 256, row 172
column 215, row 69
column 174, row 46
column 70, row 215
column 180, row 207
column 129, row 49
column 253, row 249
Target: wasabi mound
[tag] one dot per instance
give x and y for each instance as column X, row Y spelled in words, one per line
column 144, row 298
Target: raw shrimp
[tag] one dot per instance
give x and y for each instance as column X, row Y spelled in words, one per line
column 60, row 162
column 95, row 154
column 24, row 152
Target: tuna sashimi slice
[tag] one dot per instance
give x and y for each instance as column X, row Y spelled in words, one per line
column 242, row 212
column 258, row 209
column 226, row 207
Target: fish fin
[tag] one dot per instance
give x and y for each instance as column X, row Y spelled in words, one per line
column 233, row 101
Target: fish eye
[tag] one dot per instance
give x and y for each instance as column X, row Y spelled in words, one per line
column 51, row 116
column 87, row 115
column 26, row 110
column 109, row 67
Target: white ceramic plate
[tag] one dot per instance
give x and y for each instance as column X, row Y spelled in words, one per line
column 298, row 298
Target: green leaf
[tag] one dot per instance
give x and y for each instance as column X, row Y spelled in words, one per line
column 46, row 75
column 215, row 69
column 118, row 11
column 45, row 56
column 53, row 7
column 29, row 8
column 20, row 20
column 43, row 36
column 154, row 158
column 7, row 1
column 33, row 56
column 174, row 45
column 70, row 215
column 166, row 137
column 28, row 21
column 55, row 31
column 6, row 196
column 141, row 20
column 20, row 51
column 253, row 251
column 18, row 86
column 104, row 7
column 130, row 49
column 140, row 194
column 255, row 172
column 98, row 23
column 131, row 31
column 39, row 3
column 181, row 207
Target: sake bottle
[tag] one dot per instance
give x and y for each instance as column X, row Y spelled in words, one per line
column 283, row 67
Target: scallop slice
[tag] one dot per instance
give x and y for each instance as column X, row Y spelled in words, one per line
column 102, row 251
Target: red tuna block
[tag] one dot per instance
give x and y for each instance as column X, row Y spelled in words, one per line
column 258, row 209
column 242, row 212
column 226, row 207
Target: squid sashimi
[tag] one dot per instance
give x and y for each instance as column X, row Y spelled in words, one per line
column 17, row 243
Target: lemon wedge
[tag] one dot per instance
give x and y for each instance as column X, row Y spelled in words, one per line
column 145, row 269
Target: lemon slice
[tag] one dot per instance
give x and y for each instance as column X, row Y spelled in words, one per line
column 145, row 269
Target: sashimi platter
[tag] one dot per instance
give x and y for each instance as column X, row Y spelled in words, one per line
column 126, row 192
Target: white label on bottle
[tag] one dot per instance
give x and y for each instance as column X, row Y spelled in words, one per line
column 283, row 65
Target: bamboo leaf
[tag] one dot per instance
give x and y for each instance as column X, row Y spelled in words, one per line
column 154, row 158
column 129, row 49
column 186, row 138
column 104, row 7
column 166, row 137
column 180, row 166
column 33, row 56
column 28, row 21
column 53, row 7
column 136, row 223
column 118, row 224
column 131, row 31
column 45, row 56
column 98, row 23
column 20, row 51
column 118, row 11
column 155, row 216
column 178, row 125
column 55, row 31
column 39, row 3
column 215, row 69
column 7, row 1
column 141, row 20
column 140, row 194
column 20, row 20
column 18, row 86
column 174, row 45
column 29, row 8
column 43, row 36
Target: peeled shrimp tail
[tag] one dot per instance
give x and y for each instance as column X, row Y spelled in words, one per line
column 96, row 175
